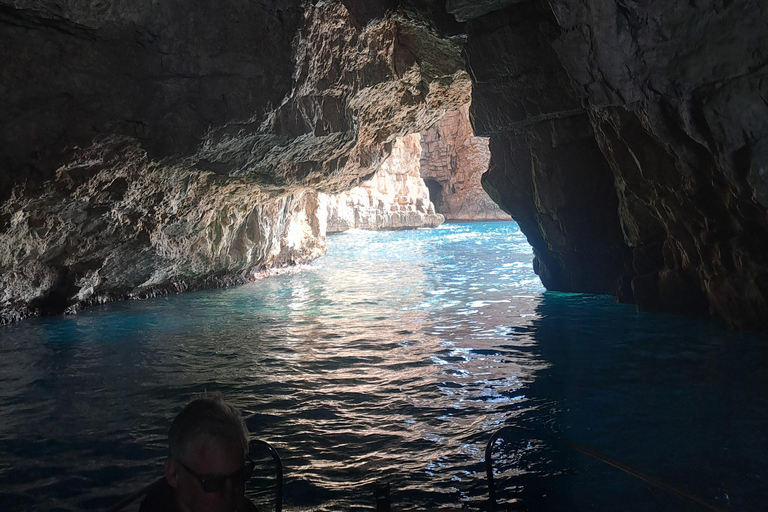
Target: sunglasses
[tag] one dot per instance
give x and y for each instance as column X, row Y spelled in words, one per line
column 215, row 483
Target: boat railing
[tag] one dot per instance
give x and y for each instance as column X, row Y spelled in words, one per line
column 565, row 444
column 278, row 472
column 254, row 443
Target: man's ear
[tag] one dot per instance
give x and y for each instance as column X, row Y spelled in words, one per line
column 171, row 472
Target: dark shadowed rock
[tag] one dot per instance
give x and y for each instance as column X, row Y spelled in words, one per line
column 674, row 96
column 161, row 73
column 546, row 168
column 465, row 10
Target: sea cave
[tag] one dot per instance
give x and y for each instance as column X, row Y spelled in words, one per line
column 612, row 155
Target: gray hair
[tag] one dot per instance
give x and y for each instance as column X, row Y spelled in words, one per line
column 207, row 416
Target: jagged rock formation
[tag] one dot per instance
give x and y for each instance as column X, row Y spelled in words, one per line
column 628, row 142
column 117, row 225
column 547, row 169
column 395, row 198
column 142, row 152
column 143, row 142
column 453, row 161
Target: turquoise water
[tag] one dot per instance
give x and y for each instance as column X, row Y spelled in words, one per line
column 394, row 358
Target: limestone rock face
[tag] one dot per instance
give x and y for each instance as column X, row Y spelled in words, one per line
column 628, row 140
column 356, row 89
column 683, row 126
column 395, row 198
column 116, row 226
column 149, row 147
column 453, row 161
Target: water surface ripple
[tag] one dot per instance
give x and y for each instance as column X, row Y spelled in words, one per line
column 392, row 358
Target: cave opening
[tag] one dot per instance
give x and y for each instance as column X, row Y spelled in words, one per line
column 435, row 194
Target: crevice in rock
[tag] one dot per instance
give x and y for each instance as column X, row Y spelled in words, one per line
column 436, row 194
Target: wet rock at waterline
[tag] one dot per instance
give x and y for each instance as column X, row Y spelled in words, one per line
column 116, row 225
column 627, row 140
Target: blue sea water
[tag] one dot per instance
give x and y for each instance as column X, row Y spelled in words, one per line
column 394, row 358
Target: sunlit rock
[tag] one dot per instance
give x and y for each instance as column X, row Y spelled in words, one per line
column 436, row 171
column 395, row 198
column 453, row 161
column 116, row 225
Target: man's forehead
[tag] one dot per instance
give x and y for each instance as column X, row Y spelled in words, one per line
column 207, row 441
column 215, row 454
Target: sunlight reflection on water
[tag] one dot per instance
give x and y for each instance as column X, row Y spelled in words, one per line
column 393, row 357
column 366, row 366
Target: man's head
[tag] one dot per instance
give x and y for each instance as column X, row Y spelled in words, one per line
column 207, row 442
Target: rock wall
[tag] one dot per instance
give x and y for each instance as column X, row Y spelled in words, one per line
column 395, row 198
column 161, row 73
column 453, row 161
column 628, row 140
column 429, row 177
column 118, row 226
column 149, row 148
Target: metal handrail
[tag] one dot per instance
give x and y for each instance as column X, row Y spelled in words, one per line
column 278, row 473
column 278, row 482
column 591, row 453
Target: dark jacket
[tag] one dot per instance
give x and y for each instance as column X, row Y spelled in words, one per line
column 161, row 498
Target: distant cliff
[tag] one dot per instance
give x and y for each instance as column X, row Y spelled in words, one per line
column 395, row 198
column 430, row 176
column 453, row 161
